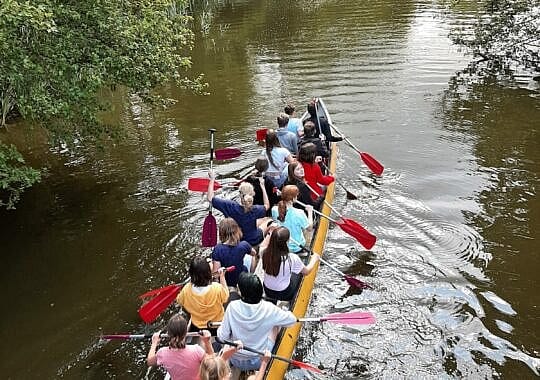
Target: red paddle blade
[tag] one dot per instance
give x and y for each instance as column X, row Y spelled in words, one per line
column 352, row 281
column 156, row 292
column 153, row 308
column 261, row 134
column 227, row 153
column 351, row 318
column 306, row 366
column 363, row 236
column 373, row 165
column 201, row 184
column 209, row 232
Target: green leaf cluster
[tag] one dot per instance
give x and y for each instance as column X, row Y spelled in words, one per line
column 15, row 176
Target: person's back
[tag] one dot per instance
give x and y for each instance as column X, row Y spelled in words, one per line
column 253, row 321
column 286, row 138
column 295, row 124
column 309, row 137
column 322, row 127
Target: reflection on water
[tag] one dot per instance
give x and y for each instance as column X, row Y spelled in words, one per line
column 456, row 212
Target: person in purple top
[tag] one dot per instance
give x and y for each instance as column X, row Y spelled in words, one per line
column 251, row 218
column 232, row 251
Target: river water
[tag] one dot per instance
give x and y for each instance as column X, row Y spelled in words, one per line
column 456, row 212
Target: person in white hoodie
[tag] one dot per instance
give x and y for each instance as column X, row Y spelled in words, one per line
column 253, row 321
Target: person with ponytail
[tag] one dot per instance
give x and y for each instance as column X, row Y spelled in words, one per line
column 282, row 269
column 181, row 361
column 294, row 219
column 251, row 218
column 278, row 158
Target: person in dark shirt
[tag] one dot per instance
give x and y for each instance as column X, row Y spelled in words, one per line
column 310, row 137
column 321, row 124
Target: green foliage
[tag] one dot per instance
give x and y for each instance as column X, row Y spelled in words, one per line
column 59, row 55
column 14, row 176
column 506, row 36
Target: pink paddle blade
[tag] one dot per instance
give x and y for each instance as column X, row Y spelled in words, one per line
column 227, row 153
column 374, row 165
column 363, row 236
column 351, row 318
column 201, row 184
column 305, row 366
column 209, row 232
column 261, row 134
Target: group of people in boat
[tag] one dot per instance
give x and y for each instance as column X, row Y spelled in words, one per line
column 271, row 221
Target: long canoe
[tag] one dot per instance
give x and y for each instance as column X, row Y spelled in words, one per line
column 288, row 337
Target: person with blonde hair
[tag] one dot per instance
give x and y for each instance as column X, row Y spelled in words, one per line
column 251, row 218
column 232, row 251
column 181, row 361
column 293, row 218
column 282, row 269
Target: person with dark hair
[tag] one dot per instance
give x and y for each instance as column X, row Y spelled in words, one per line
column 287, row 139
column 202, row 298
column 296, row 178
column 181, row 361
column 253, row 321
column 261, row 166
column 321, row 124
column 312, row 171
column 309, row 137
column 278, row 158
column 250, row 217
column 295, row 124
column 294, row 219
column 232, row 251
column 282, row 268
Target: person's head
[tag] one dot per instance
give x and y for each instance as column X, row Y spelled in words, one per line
column 247, row 194
column 289, row 193
column 250, row 287
column 199, row 271
column 282, row 120
column 214, row 368
column 311, row 108
column 295, row 172
column 261, row 164
column 177, row 329
column 289, row 109
column 309, row 129
column 229, row 231
column 307, row 153
column 276, row 251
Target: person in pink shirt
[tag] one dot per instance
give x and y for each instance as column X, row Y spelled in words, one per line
column 181, row 361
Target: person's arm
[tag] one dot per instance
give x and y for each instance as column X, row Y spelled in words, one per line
column 151, row 359
column 230, row 350
column 210, row 193
column 309, row 210
column 308, row 268
column 205, row 338
column 264, row 194
column 264, row 363
column 290, row 159
column 215, row 265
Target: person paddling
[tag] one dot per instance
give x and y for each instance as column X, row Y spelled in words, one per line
column 312, row 171
column 251, row 218
column 181, row 361
column 282, row 269
column 296, row 178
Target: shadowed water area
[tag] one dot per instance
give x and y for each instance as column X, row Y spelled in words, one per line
column 456, row 212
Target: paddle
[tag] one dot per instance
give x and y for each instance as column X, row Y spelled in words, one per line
column 349, row 318
column 209, row 232
column 352, row 281
column 349, row 226
column 261, row 134
column 350, row 195
column 140, row 336
column 373, row 165
column 227, row 153
column 163, row 298
column 200, row 184
column 295, row 363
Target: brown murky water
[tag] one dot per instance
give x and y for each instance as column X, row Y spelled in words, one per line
column 455, row 269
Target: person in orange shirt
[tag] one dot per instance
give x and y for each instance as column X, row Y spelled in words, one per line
column 202, row 298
